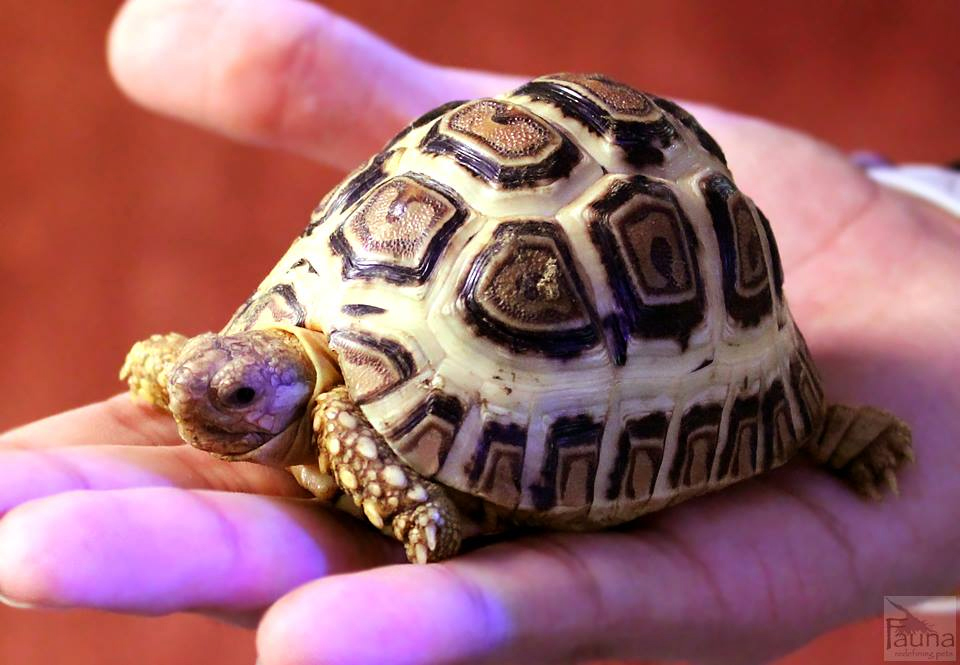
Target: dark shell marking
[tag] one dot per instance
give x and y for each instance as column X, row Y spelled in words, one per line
column 738, row 459
column 650, row 253
column 696, row 446
column 523, row 292
column 359, row 309
column 774, row 254
column 625, row 117
column 350, row 192
column 503, row 144
column 277, row 304
column 779, row 435
column 424, row 439
column 805, row 383
column 746, row 282
column 681, row 114
column 372, row 366
column 304, row 263
column 496, row 468
column 570, row 464
column 400, row 231
column 639, row 455
column 426, row 118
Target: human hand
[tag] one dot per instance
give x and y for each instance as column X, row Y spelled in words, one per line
column 130, row 525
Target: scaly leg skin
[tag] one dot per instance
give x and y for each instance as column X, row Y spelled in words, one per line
column 390, row 493
column 865, row 446
column 147, row 367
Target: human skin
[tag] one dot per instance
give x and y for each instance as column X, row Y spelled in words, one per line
column 99, row 504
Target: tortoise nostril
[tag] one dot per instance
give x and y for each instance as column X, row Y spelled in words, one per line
column 242, row 396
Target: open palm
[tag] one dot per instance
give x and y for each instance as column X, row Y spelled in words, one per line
column 105, row 507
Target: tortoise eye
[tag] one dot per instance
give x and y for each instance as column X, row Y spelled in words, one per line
column 241, row 397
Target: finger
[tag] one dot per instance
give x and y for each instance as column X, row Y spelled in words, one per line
column 294, row 75
column 118, row 420
column 744, row 576
column 284, row 73
column 159, row 550
column 30, row 474
column 509, row 603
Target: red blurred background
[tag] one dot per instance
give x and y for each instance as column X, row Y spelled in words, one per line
column 115, row 222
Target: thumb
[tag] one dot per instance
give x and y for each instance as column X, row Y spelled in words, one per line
column 283, row 73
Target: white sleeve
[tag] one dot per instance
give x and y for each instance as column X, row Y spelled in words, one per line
column 937, row 185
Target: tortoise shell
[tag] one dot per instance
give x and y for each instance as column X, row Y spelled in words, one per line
column 556, row 300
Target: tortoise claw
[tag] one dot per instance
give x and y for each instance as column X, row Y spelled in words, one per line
column 891, row 481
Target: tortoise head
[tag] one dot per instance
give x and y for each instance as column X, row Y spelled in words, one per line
column 246, row 395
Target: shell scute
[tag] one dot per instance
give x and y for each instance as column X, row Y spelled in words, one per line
column 504, row 144
column 371, row 366
column 425, row 437
column 523, row 292
column 651, row 254
column 400, row 231
column 621, row 115
column 495, row 470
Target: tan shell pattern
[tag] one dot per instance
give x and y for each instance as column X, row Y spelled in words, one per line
column 556, row 300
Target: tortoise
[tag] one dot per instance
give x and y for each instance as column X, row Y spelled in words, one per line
column 550, row 309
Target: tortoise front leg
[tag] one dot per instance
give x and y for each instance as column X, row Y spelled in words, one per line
column 148, row 365
column 390, row 493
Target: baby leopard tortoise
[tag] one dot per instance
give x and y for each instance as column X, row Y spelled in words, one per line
column 551, row 308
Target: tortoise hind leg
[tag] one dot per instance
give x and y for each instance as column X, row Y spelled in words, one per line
column 391, row 494
column 865, row 446
column 147, row 367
